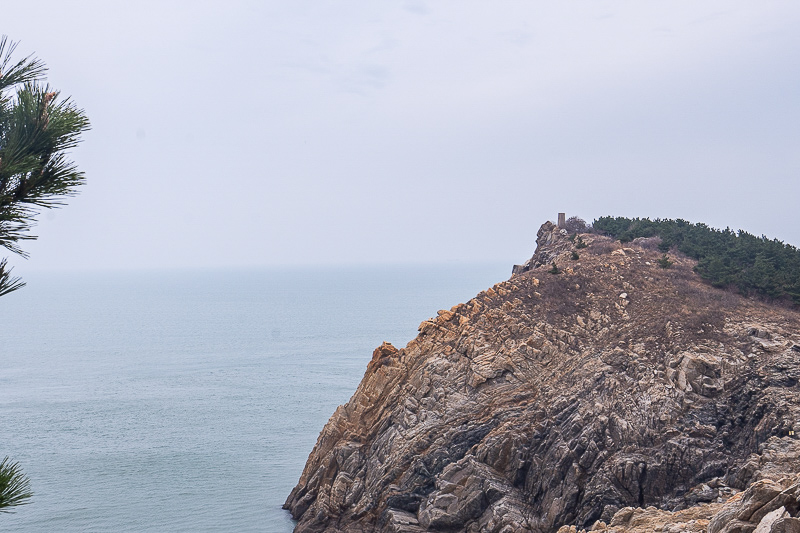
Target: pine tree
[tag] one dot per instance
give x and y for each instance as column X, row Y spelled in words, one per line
column 37, row 128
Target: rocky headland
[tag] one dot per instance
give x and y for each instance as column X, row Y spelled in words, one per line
column 606, row 393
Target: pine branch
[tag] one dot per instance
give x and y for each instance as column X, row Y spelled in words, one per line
column 7, row 283
column 36, row 130
column 26, row 70
column 34, row 170
column 15, row 487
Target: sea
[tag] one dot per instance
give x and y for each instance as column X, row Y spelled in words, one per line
column 188, row 401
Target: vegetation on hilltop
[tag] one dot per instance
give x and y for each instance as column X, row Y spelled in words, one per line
column 753, row 265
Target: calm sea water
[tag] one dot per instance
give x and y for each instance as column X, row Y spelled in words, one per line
column 189, row 401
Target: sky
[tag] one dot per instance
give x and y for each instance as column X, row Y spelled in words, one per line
column 244, row 134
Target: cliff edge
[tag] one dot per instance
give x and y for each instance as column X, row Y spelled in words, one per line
column 613, row 394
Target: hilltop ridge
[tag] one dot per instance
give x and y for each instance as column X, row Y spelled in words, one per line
column 570, row 396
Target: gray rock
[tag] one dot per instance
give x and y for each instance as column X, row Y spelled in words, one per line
column 786, row 525
column 766, row 523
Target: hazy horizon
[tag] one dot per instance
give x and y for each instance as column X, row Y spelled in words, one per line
column 297, row 267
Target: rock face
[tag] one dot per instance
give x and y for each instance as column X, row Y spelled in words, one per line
column 614, row 394
column 769, row 505
column 550, row 243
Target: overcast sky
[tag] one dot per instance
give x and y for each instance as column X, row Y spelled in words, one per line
column 311, row 132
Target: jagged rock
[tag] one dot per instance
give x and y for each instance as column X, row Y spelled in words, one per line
column 546, row 402
column 766, row 523
column 786, row 525
column 464, row 491
column 638, row 520
column 401, row 522
column 743, row 514
column 551, row 243
column 765, row 503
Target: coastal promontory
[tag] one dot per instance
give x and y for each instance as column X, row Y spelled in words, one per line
column 599, row 388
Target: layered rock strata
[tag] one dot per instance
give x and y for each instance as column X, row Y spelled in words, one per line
column 555, row 400
column 770, row 504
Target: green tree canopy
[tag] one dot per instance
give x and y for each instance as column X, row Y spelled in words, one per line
column 754, row 265
column 37, row 128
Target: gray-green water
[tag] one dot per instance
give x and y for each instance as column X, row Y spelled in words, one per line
column 189, row 401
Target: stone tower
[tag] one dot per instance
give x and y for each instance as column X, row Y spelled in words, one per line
column 562, row 220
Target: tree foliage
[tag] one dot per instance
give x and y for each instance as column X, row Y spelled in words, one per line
column 37, row 128
column 15, row 487
column 754, row 265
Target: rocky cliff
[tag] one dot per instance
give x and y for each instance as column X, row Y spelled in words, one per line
column 614, row 394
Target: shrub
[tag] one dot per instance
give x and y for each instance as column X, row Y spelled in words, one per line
column 575, row 225
column 648, row 243
column 555, row 269
column 579, row 243
column 603, row 246
column 575, row 256
column 664, row 262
